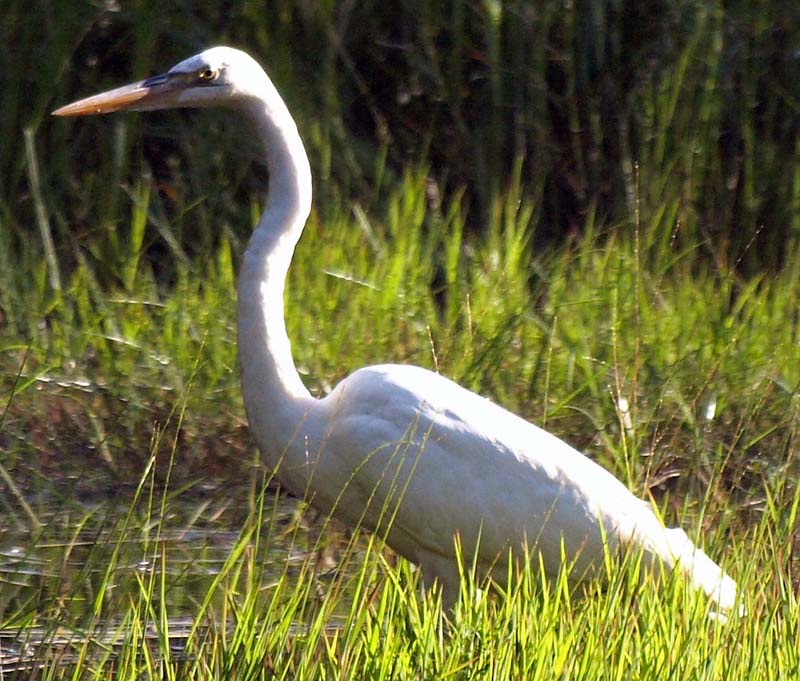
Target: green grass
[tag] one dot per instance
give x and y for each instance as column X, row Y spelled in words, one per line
column 140, row 535
column 134, row 378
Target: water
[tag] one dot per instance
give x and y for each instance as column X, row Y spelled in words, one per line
column 70, row 578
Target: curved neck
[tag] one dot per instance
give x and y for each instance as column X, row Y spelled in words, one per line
column 273, row 391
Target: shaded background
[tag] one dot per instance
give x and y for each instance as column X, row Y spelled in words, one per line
column 599, row 101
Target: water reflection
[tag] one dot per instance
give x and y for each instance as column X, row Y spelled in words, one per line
column 71, row 579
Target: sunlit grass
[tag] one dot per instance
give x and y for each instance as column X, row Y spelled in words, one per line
column 705, row 361
column 368, row 618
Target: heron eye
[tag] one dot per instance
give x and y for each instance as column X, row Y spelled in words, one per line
column 208, row 74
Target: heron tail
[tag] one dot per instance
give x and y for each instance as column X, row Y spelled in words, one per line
column 703, row 572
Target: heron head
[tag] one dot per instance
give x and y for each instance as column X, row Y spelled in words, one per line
column 216, row 77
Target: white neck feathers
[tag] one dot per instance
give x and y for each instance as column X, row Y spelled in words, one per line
column 274, row 394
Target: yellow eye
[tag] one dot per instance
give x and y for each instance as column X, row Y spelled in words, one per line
column 208, row 74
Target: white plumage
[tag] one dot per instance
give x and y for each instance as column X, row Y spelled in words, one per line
column 398, row 449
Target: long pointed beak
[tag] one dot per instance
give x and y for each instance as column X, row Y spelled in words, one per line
column 152, row 93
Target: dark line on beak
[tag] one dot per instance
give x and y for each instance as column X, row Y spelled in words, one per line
column 154, row 81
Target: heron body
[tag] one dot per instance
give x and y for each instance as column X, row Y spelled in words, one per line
column 398, row 449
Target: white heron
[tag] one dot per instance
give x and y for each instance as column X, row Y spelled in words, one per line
column 398, row 449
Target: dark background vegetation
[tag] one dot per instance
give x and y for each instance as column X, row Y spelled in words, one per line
column 598, row 100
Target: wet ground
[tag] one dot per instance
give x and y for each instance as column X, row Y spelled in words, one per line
column 62, row 578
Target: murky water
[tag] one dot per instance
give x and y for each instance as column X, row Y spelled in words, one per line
column 70, row 576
